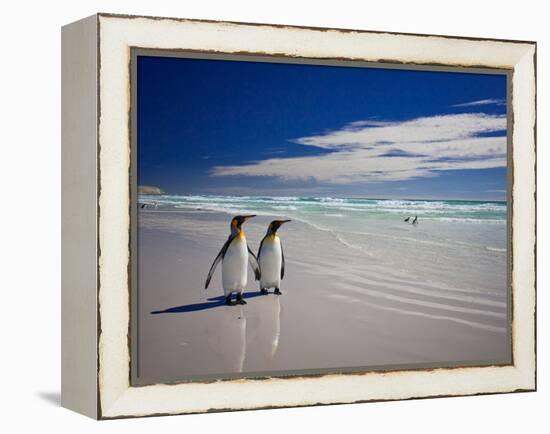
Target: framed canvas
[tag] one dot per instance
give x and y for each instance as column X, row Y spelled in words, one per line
column 262, row 216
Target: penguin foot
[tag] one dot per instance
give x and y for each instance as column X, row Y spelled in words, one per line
column 277, row 291
column 240, row 299
column 229, row 302
column 264, row 291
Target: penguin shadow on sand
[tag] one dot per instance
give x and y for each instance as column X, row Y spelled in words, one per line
column 210, row 303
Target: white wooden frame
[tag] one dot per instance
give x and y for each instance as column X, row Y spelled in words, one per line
column 96, row 215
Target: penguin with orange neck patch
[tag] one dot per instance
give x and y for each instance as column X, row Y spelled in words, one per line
column 271, row 259
column 235, row 256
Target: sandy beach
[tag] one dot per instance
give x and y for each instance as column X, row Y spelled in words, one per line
column 344, row 304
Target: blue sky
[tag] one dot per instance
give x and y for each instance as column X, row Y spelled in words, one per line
column 245, row 128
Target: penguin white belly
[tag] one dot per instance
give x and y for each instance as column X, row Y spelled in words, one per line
column 270, row 263
column 234, row 266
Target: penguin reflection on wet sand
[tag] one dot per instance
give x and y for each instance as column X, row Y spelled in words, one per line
column 235, row 256
column 271, row 259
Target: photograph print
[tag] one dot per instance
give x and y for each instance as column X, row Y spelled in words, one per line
column 294, row 217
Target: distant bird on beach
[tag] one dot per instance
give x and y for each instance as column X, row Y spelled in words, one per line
column 407, row 219
column 271, row 259
column 235, row 255
column 415, row 221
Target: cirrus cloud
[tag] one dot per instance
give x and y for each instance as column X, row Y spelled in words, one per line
column 374, row 151
column 490, row 101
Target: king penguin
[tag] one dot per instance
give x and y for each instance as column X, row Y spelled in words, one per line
column 235, row 254
column 271, row 259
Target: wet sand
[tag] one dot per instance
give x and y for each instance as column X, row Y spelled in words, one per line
column 341, row 308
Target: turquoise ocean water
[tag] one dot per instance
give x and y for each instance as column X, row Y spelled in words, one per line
column 347, row 208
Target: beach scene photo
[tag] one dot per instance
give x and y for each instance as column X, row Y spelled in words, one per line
column 296, row 219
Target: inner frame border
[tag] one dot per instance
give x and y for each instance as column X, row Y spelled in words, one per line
column 133, row 284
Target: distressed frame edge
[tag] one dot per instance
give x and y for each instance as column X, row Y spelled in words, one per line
column 79, row 135
column 109, row 414
column 304, row 27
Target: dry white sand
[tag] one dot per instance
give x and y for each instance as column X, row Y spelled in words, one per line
column 341, row 307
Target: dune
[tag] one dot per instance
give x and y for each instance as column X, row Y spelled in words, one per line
column 149, row 189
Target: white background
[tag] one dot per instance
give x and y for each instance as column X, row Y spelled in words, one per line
column 30, row 216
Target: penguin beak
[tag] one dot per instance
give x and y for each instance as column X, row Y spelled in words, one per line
column 246, row 217
column 280, row 222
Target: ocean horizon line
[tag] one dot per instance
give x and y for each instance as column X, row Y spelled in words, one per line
column 328, row 197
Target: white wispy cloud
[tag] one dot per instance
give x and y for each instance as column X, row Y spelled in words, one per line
column 372, row 151
column 489, row 101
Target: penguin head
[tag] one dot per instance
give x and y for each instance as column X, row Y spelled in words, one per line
column 275, row 225
column 237, row 221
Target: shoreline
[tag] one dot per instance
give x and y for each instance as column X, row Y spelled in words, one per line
column 504, row 201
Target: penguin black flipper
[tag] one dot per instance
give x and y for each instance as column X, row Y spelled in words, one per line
column 253, row 261
column 260, row 248
column 282, row 262
column 220, row 256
